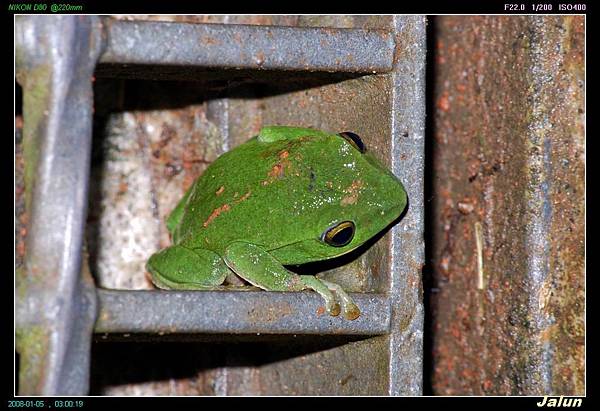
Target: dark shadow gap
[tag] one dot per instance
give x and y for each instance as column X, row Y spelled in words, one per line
column 196, row 85
column 115, row 362
column 428, row 269
column 18, row 100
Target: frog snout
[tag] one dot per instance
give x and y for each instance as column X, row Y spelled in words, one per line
column 400, row 198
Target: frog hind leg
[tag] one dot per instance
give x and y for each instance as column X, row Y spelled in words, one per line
column 181, row 268
column 254, row 264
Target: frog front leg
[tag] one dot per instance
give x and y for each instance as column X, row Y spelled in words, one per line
column 181, row 268
column 254, row 264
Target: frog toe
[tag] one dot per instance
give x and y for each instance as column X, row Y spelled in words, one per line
column 331, row 305
column 333, row 308
column 350, row 309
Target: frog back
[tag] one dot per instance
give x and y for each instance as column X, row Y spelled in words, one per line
column 276, row 193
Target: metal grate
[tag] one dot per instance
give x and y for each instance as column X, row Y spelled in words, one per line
column 234, row 312
column 248, row 47
column 58, row 308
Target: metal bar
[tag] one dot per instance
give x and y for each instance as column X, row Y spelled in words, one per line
column 408, row 248
column 248, row 46
column 55, row 307
column 235, row 312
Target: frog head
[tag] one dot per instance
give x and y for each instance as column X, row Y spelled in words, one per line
column 348, row 197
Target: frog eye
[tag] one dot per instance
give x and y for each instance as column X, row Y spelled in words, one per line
column 354, row 139
column 340, row 234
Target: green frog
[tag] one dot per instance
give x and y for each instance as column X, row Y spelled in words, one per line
column 287, row 196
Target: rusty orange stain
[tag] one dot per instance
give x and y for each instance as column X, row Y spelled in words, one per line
column 21, row 248
column 321, row 310
column 455, row 331
column 210, row 40
column 487, row 384
column 122, row 187
column 23, row 219
column 443, row 102
column 466, row 373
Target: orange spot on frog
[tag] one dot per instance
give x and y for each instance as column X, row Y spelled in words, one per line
column 216, row 212
column 243, row 198
column 225, row 207
column 276, row 171
column 279, row 169
column 353, row 192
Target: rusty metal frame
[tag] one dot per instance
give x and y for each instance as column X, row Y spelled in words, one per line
column 57, row 307
column 248, row 47
column 233, row 312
